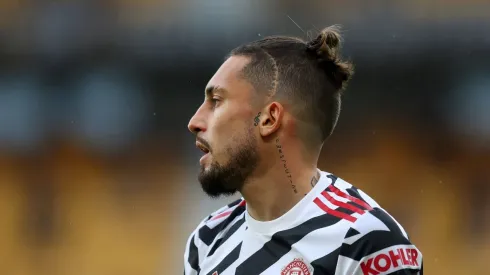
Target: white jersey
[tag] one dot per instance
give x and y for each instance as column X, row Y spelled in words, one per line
column 336, row 229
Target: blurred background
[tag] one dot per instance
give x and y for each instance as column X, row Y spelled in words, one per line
column 97, row 167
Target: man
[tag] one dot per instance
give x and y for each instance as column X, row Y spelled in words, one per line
column 266, row 114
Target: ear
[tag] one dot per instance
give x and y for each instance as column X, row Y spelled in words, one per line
column 269, row 121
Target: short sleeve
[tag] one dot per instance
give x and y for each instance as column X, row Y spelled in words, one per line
column 371, row 249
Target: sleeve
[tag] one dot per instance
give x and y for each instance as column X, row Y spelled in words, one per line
column 378, row 246
column 194, row 251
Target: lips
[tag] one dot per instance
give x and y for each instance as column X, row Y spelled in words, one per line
column 202, row 147
column 205, row 150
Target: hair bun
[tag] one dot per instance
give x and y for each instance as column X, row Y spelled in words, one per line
column 326, row 46
column 326, row 43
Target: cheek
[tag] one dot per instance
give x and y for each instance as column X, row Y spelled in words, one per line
column 219, row 134
column 226, row 123
column 226, row 139
column 229, row 125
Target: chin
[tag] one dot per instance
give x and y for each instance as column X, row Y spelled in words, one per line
column 217, row 180
column 227, row 178
column 207, row 164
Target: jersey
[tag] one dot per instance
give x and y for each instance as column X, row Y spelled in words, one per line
column 336, row 229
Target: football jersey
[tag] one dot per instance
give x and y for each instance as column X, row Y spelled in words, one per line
column 336, row 229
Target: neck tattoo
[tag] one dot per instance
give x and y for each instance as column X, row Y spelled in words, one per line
column 286, row 169
column 315, row 179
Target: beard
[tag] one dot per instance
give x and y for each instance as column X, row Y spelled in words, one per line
column 227, row 179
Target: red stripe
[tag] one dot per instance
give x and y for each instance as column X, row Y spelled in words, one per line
column 342, row 204
column 332, row 212
column 349, row 197
column 224, row 214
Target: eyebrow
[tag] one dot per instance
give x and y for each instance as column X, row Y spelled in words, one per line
column 211, row 90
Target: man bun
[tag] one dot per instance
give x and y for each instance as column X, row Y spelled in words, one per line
column 326, row 48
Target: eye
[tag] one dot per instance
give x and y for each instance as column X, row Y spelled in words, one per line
column 215, row 101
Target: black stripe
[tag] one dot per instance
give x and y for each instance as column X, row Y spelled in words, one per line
column 227, row 261
column 333, row 178
column 193, row 255
column 358, row 206
column 234, row 203
column 326, row 264
column 281, row 242
column 207, row 235
column 387, row 220
column 371, row 243
column 227, row 235
column 351, row 232
column 354, row 192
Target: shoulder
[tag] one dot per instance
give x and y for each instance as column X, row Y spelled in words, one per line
column 200, row 240
column 223, row 216
column 339, row 185
column 373, row 219
column 378, row 229
column 375, row 242
column 210, row 227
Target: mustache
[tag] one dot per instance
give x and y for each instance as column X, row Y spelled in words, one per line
column 204, row 142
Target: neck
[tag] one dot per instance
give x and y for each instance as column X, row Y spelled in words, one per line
column 275, row 190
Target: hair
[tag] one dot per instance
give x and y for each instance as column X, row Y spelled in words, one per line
column 308, row 76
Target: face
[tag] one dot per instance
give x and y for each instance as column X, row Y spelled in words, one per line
column 224, row 131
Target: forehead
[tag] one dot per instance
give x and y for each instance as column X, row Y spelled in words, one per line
column 229, row 77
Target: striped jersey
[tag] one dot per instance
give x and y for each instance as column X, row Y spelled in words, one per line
column 336, row 229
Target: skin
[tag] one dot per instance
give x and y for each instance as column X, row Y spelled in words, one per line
column 244, row 157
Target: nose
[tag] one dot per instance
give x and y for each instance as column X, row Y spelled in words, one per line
column 197, row 123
